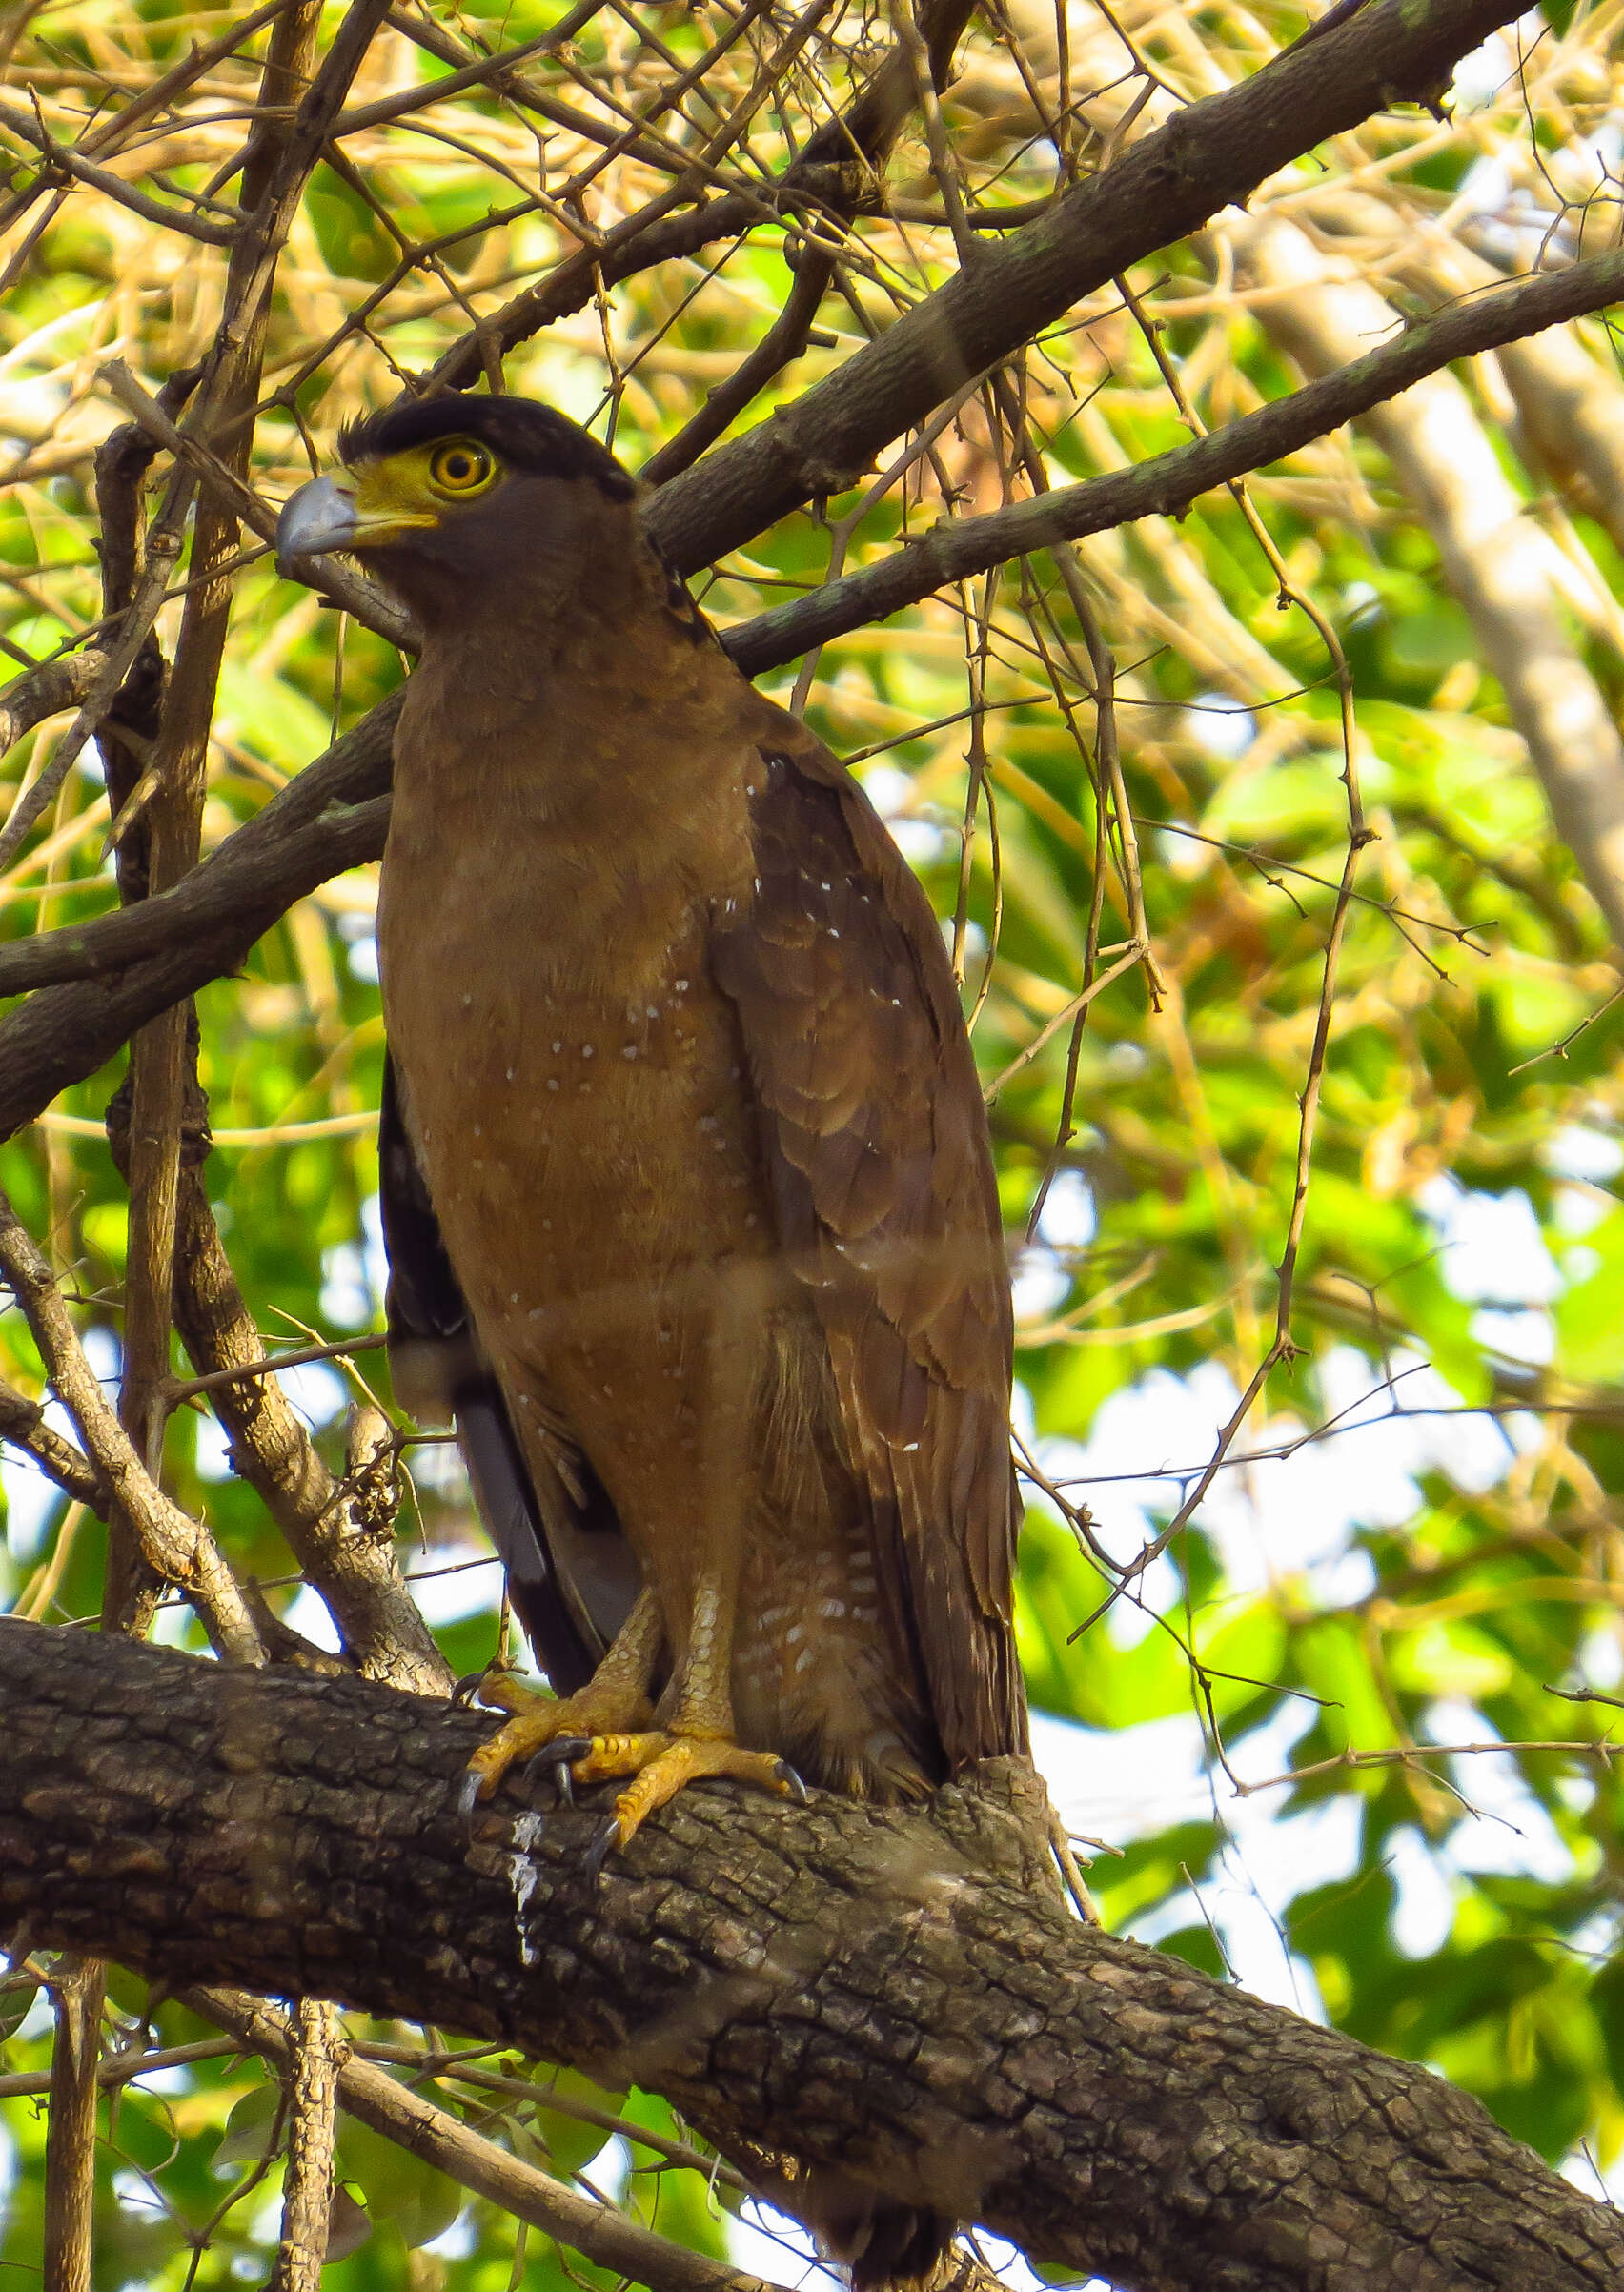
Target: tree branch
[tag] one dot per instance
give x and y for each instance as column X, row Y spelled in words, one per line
column 316, row 2052
column 79, row 1987
column 340, row 584
column 828, row 179
column 23, row 1426
column 334, row 815
column 174, row 1546
column 401, row 2115
column 1213, row 155
column 958, row 548
column 1498, row 562
column 46, row 690
column 340, row 1531
column 900, row 1994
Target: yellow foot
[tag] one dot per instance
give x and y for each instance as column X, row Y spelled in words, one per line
column 544, row 1726
column 663, row 1764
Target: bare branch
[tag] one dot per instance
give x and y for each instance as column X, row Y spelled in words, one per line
column 340, row 584
column 1497, row 561
column 175, row 1545
column 61, row 159
column 163, row 549
column 369, row 2093
column 317, row 2050
column 46, row 690
column 334, row 816
column 23, row 1425
column 829, row 177
column 341, row 1533
column 958, row 548
column 1207, row 157
column 78, row 1993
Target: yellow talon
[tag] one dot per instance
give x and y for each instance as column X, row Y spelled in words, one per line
column 663, row 1764
column 539, row 1720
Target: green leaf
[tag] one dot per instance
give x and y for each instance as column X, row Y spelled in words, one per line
column 421, row 2201
column 572, row 2143
column 251, row 2126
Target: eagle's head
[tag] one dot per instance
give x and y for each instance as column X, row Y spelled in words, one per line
column 449, row 498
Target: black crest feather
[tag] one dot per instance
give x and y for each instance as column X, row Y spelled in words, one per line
column 528, row 436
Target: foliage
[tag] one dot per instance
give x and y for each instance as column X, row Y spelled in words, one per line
column 1342, row 1600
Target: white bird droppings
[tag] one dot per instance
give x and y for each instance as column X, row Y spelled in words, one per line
column 521, row 1878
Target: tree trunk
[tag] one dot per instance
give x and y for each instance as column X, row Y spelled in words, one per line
column 899, row 1993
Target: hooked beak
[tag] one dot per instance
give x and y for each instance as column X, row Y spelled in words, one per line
column 319, row 518
column 366, row 510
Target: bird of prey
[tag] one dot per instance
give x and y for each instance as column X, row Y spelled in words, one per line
column 686, row 1184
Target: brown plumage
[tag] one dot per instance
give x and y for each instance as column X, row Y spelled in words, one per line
column 686, row 1180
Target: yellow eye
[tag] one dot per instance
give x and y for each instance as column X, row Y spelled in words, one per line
column 460, row 467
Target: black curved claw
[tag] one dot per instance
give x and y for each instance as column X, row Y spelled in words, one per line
column 464, row 1692
column 468, row 1796
column 785, row 1773
column 559, row 1754
column 603, row 1839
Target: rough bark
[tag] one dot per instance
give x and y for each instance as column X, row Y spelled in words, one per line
column 899, row 1993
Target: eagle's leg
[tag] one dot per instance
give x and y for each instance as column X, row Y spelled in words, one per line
column 614, row 1701
column 698, row 1739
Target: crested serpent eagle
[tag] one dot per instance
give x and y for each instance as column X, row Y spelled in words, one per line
column 686, row 1186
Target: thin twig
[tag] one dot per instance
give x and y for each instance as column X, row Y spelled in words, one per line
column 1560, row 1050
column 1346, row 1761
column 1135, row 953
column 185, row 1389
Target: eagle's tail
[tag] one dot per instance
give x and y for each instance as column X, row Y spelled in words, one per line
column 882, row 2242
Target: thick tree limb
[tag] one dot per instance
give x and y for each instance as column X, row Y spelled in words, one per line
column 898, row 1992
